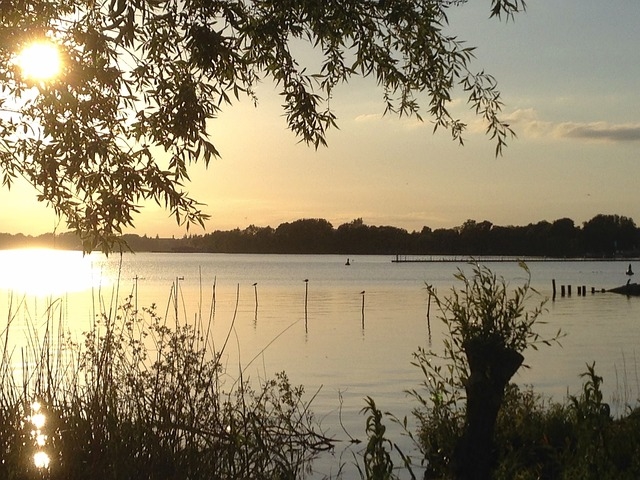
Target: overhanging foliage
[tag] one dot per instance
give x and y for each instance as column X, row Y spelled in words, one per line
column 142, row 79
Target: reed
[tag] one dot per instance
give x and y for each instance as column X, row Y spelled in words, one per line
column 142, row 397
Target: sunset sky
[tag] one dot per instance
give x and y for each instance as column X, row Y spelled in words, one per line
column 569, row 73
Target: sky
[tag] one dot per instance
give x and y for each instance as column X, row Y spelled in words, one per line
column 569, row 74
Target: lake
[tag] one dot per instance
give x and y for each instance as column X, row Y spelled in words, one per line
column 346, row 332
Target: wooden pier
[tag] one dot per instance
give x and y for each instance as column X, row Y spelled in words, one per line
column 497, row 258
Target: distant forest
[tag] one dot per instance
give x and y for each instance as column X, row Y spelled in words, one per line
column 603, row 236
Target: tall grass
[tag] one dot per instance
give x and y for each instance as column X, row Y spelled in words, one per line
column 138, row 396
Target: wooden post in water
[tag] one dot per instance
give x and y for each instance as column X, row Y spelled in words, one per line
column 429, row 316
column 584, row 291
column 568, row 290
column 553, row 285
column 562, row 290
column 177, row 289
column 136, row 296
column 255, row 290
column 362, row 293
column 306, row 296
column 213, row 298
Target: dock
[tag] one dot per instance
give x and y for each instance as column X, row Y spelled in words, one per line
column 498, row 258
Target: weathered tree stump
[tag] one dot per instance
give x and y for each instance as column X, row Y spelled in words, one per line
column 491, row 366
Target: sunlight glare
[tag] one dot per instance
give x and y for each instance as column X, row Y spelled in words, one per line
column 43, row 272
column 40, row 61
column 38, row 420
column 41, row 460
column 41, row 439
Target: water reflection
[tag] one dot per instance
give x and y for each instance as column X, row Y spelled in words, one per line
column 38, row 419
column 44, row 272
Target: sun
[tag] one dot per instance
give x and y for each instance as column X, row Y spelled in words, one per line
column 40, row 61
column 45, row 272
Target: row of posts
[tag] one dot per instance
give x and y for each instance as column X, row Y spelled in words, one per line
column 565, row 290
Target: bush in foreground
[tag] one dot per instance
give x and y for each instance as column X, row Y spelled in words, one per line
column 532, row 438
column 138, row 399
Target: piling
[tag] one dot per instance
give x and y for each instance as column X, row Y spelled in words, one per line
column 176, row 292
column 306, row 296
column 565, row 290
column 255, row 290
column 213, row 298
column 136, row 295
column 429, row 317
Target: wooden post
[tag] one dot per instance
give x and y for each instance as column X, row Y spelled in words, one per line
column 255, row 289
column 568, row 290
column 553, row 285
column 136, row 296
column 177, row 290
column 429, row 317
column 562, row 290
column 213, row 298
column 306, row 295
column 362, row 293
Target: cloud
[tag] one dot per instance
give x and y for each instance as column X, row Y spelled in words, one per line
column 391, row 120
column 526, row 122
column 600, row 131
column 369, row 117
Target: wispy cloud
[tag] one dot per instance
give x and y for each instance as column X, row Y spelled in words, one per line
column 526, row 122
column 391, row 120
column 601, row 131
column 369, row 117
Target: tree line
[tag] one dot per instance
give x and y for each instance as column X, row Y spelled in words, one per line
column 602, row 236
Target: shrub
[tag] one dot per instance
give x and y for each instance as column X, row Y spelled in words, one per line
column 139, row 399
column 488, row 328
column 532, row 438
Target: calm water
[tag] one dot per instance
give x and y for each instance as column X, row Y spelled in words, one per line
column 319, row 333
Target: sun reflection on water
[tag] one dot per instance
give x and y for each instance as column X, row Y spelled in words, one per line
column 38, row 419
column 43, row 272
